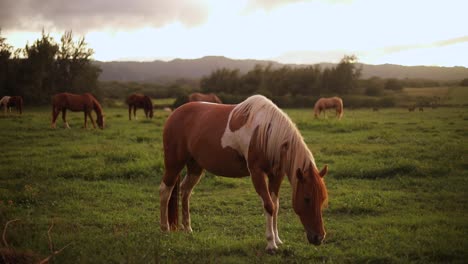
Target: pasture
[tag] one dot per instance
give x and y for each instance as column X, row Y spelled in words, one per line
column 397, row 183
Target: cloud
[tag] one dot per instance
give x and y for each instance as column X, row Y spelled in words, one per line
column 88, row 15
column 442, row 43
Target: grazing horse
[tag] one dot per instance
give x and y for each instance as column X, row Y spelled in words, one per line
column 139, row 101
column 323, row 104
column 17, row 102
column 252, row 138
column 77, row 102
column 4, row 103
column 212, row 98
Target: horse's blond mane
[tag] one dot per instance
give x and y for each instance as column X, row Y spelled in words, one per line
column 274, row 129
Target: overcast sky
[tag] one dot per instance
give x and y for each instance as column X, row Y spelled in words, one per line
column 407, row 32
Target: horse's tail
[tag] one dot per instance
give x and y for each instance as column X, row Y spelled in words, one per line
column 341, row 109
column 173, row 206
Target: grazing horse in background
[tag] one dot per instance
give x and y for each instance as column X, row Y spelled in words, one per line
column 323, row 104
column 4, row 103
column 252, row 138
column 17, row 102
column 211, row 98
column 139, row 101
column 77, row 102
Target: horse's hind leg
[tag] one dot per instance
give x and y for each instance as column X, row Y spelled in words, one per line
column 194, row 172
column 129, row 112
column 55, row 113
column 169, row 184
column 64, row 118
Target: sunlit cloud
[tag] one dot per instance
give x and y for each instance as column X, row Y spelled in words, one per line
column 291, row 31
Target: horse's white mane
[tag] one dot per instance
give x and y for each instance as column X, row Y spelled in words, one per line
column 274, row 129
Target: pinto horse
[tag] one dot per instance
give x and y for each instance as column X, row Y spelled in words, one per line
column 7, row 102
column 77, row 102
column 4, row 103
column 212, row 98
column 252, row 138
column 323, row 104
column 139, row 101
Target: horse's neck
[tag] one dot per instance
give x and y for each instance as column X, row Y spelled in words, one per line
column 97, row 109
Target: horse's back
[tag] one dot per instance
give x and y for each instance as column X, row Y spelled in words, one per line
column 73, row 102
column 194, row 131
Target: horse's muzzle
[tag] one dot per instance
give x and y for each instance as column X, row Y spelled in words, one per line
column 315, row 239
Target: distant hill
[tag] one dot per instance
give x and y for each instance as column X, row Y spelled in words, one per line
column 156, row 71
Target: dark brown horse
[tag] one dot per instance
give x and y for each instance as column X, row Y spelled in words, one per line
column 77, row 102
column 211, row 98
column 252, row 138
column 139, row 101
column 323, row 104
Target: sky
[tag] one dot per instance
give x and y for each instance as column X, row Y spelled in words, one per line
column 406, row 32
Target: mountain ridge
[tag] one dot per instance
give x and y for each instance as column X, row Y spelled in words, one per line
column 157, row 70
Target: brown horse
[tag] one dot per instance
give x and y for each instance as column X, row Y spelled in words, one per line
column 252, row 138
column 139, row 101
column 323, row 104
column 77, row 102
column 211, row 98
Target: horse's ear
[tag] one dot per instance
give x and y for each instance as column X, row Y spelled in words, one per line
column 324, row 171
column 299, row 174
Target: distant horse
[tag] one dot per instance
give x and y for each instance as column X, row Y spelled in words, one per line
column 252, row 138
column 323, row 104
column 77, row 102
column 139, row 101
column 17, row 102
column 212, row 98
column 411, row 108
column 4, row 103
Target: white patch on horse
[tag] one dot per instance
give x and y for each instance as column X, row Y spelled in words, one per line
column 238, row 140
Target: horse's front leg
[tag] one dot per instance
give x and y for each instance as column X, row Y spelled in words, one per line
column 258, row 179
column 274, row 185
column 85, row 120
column 92, row 120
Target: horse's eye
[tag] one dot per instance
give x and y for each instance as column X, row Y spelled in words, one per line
column 307, row 201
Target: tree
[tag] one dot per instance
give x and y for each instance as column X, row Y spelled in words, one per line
column 5, row 54
column 74, row 65
column 464, row 82
column 47, row 68
column 393, row 84
column 39, row 69
column 343, row 78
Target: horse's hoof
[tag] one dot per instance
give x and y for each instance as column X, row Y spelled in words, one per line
column 271, row 251
column 278, row 241
column 188, row 229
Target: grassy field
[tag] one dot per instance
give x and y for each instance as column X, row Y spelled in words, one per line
column 398, row 192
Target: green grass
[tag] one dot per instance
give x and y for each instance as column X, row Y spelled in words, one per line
column 397, row 187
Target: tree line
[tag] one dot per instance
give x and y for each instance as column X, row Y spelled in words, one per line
column 310, row 80
column 46, row 67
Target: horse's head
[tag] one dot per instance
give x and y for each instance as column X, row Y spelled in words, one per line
column 100, row 121
column 310, row 197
